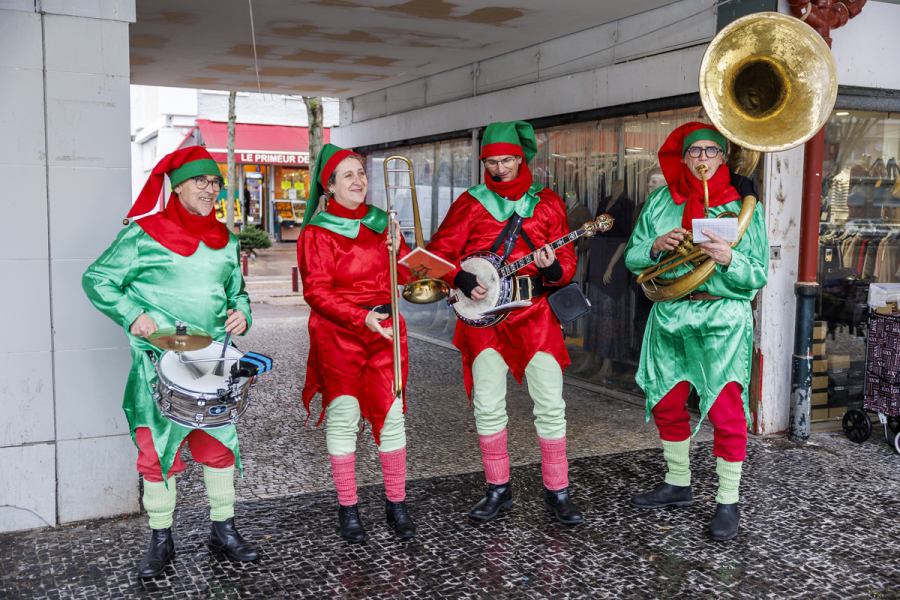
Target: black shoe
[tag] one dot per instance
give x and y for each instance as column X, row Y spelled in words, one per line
column 665, row 494
column 724, row 525
column 224, row 537
column 160, row 553
column 398, row 518
column 495, row 498
column 352, row 528
column 561, row 504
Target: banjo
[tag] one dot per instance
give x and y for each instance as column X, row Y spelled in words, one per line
column 498, row 278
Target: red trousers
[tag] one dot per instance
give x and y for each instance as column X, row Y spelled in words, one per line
column 205, row 449
column 726, row 415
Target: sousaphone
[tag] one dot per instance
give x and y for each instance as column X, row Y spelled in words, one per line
column 768, row 82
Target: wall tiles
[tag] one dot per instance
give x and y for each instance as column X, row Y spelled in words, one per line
column 97, row 478
column 27, row 328
column 90, row 385
column 26, row 398
column 28, row 486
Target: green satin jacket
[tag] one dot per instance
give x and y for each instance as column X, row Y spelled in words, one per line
column 707, row 343
column 136, row 274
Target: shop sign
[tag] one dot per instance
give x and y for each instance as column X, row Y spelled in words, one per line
column 273, row 158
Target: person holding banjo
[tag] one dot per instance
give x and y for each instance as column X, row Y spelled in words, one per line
column 703, row 339
column 511, row 211
column 180, row 264
column 344, row 264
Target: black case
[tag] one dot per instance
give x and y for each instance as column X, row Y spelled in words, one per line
column 568, row 303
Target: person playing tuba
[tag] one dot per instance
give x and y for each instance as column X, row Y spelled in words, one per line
column 704, row 339
column 344, row 264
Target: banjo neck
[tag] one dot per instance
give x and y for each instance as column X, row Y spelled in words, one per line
column 526, row 260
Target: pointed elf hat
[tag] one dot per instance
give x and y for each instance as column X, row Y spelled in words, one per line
column 330, row 156
column 516, row 138
column 179, row 166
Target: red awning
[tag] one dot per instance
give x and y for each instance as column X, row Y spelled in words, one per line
column 259, row 144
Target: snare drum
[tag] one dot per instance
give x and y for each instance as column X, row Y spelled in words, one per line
column 205, row 402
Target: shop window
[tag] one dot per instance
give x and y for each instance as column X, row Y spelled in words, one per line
column 859, row 244
column 223, row 194
column 291, row 193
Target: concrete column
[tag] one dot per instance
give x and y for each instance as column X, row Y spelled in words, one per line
column 65, row 163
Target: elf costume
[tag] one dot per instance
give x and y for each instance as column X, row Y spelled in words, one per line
column 702, row 342
column 529, row 341
column 174, row 266
column 344, row 264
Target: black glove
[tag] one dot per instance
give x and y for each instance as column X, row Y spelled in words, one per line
column 744, row 185
column 466, row 282
column 551, row 274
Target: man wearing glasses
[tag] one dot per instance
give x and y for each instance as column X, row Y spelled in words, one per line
column 518, row 216
column 705, row 339
column 180, row 264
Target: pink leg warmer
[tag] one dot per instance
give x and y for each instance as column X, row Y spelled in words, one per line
column 495, row 457
column 343, row 469
column 554, row 465
column 393, row 467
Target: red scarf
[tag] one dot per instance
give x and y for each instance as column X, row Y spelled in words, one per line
column 339, row 210
column 181, row 232
column 683, row 186
column 514, row 189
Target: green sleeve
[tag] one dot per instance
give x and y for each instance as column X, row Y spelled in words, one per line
column 105, row 280
column 749, row 268
column 234, row 290
column 637, row 252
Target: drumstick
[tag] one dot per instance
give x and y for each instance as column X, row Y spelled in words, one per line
column 220, row 366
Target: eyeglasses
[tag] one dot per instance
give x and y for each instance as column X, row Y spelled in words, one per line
column 507, row 162
column 711, row 151
column 203, row 182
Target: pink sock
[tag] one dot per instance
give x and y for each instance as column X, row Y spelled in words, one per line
column 495, row 457
column 393, row 467
column 554, row 465
column 343, row 469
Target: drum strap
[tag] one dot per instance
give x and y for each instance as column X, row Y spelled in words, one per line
column 509, row 235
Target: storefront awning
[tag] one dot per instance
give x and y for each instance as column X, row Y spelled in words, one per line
column 258, row 144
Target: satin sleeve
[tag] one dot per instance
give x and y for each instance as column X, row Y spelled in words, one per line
column 315, row 257
column 105, row 280
column 235, row 292
column 637, row 252
column 450, row 238
column 749, row 268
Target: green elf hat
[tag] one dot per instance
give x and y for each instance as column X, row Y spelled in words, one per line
column 330, row 156
column 180, row 165
column 515, row 138
column 705, row 132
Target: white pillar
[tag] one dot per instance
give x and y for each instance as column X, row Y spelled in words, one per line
column 65, row 163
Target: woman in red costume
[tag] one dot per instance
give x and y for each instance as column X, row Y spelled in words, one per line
column 344, row 263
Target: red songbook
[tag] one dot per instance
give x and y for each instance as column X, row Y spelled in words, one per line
column 425, row 264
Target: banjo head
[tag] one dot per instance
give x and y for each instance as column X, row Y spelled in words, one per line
column 483, row 265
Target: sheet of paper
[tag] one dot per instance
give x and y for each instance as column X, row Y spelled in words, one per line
column 504, row 308
column 726, row 228
column 427, row 264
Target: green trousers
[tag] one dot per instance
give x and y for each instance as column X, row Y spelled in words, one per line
column 342, row 426
column 545, row 385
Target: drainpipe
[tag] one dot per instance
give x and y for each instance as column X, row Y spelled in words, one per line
column 823, row 16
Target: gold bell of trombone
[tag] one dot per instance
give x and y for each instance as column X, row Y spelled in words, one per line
column 422, row 289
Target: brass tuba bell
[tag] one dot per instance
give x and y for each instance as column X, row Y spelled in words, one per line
column 768, row 82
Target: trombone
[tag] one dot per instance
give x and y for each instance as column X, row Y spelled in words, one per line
column 420, row 289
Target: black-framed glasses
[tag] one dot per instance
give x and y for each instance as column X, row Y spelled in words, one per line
column 203, row 182
column 711, row 151
column 507, row 162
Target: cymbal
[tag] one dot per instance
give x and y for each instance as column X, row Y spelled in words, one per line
column 180, row 339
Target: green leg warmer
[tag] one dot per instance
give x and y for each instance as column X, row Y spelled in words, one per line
column 342, row 425
column 393, row 432
column 545, row 386
column 677, row 455
column 159, row 502
column 729, row 480
column 220, row 490
column 489, row 393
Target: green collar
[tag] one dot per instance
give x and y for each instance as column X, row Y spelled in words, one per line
column 501, row 208
column 376, row 220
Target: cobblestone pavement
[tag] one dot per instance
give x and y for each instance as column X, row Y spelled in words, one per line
column 819, row 520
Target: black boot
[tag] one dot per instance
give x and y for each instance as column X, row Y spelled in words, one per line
column 398, row 518
column 224, row 537
column 561, row 504
column 496, row 497
column 724, row 525
column 160, row 553
column 352, row 528
column 665, row 494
